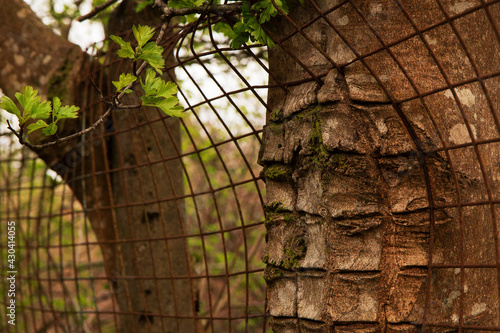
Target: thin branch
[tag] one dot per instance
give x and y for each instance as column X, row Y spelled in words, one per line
column 66, row 138
column 13, row 130
column 169, row 12
column 126, row 107
column 96, row 10
column 112, row 106
column 101, row 96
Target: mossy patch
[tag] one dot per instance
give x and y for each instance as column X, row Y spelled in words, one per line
column 274, row 217
column 276, row 115
column 274, row 207
column 320, row 156
column 272, row 273
column 309, row 114
column 295, row 250
column 276, row 129
column 265, row 259
column 278, row 172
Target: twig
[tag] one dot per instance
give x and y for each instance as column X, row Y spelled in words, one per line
column 13, row 131
column 169, row 12
column 126, row 107
column 112, row 106
column 66, row 138
column 96, row 10
column 96, row 88
column 20, row 136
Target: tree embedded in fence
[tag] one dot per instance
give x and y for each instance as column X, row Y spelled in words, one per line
column 370, row 185
column 125, row 221
column 127, row 206
column 379, row 169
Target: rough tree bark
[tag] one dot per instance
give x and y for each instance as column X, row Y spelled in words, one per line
column 129, row 199
column 354, row 178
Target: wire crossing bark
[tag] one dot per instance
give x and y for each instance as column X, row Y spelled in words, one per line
column 364, row 193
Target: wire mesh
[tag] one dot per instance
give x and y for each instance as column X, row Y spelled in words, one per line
column 208, row 179
column 64, row 281
column 413, row 62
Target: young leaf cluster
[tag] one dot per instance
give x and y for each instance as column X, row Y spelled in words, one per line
column 146, row 51
column 157, row 92
column 34, row 108
column 253, row 19
column 161, row 94
column 123, row 81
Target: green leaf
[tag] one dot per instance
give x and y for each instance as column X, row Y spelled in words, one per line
column 167, row 105
column 169, row 108
column 41, row 110
column 223, row 28
column 240, row 35
column 8, row 105
column 125, row 50
column 39, row 124
column 68, row 112
column 266, row 9
column 51, row 129
column 123, row 81
column 250, row 25
column 27, row 98
column 151, row 83
column 161, row 94
column 151, row 100
column 152, row 54
column 143, row 34
column 167, row 89
column 31, row 104
column 177, row 111
column 56, row 104
column 64, row 112
column 155, row 86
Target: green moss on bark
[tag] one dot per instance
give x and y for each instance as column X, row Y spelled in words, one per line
column 294, row 252
column 278, row 172
column 272, row 273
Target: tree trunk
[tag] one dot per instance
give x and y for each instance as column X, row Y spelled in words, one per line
column 374, row 223
column 125, row 176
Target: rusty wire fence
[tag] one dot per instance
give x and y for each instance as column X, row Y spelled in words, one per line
column 63, row 281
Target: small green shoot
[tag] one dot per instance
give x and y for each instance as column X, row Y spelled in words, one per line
column 151, row 53
column 158, row 93
column 34, row 108
column 123, row 81
column 250, row 26
column 161, row 94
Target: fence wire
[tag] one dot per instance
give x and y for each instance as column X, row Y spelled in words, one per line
column 64, row 281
